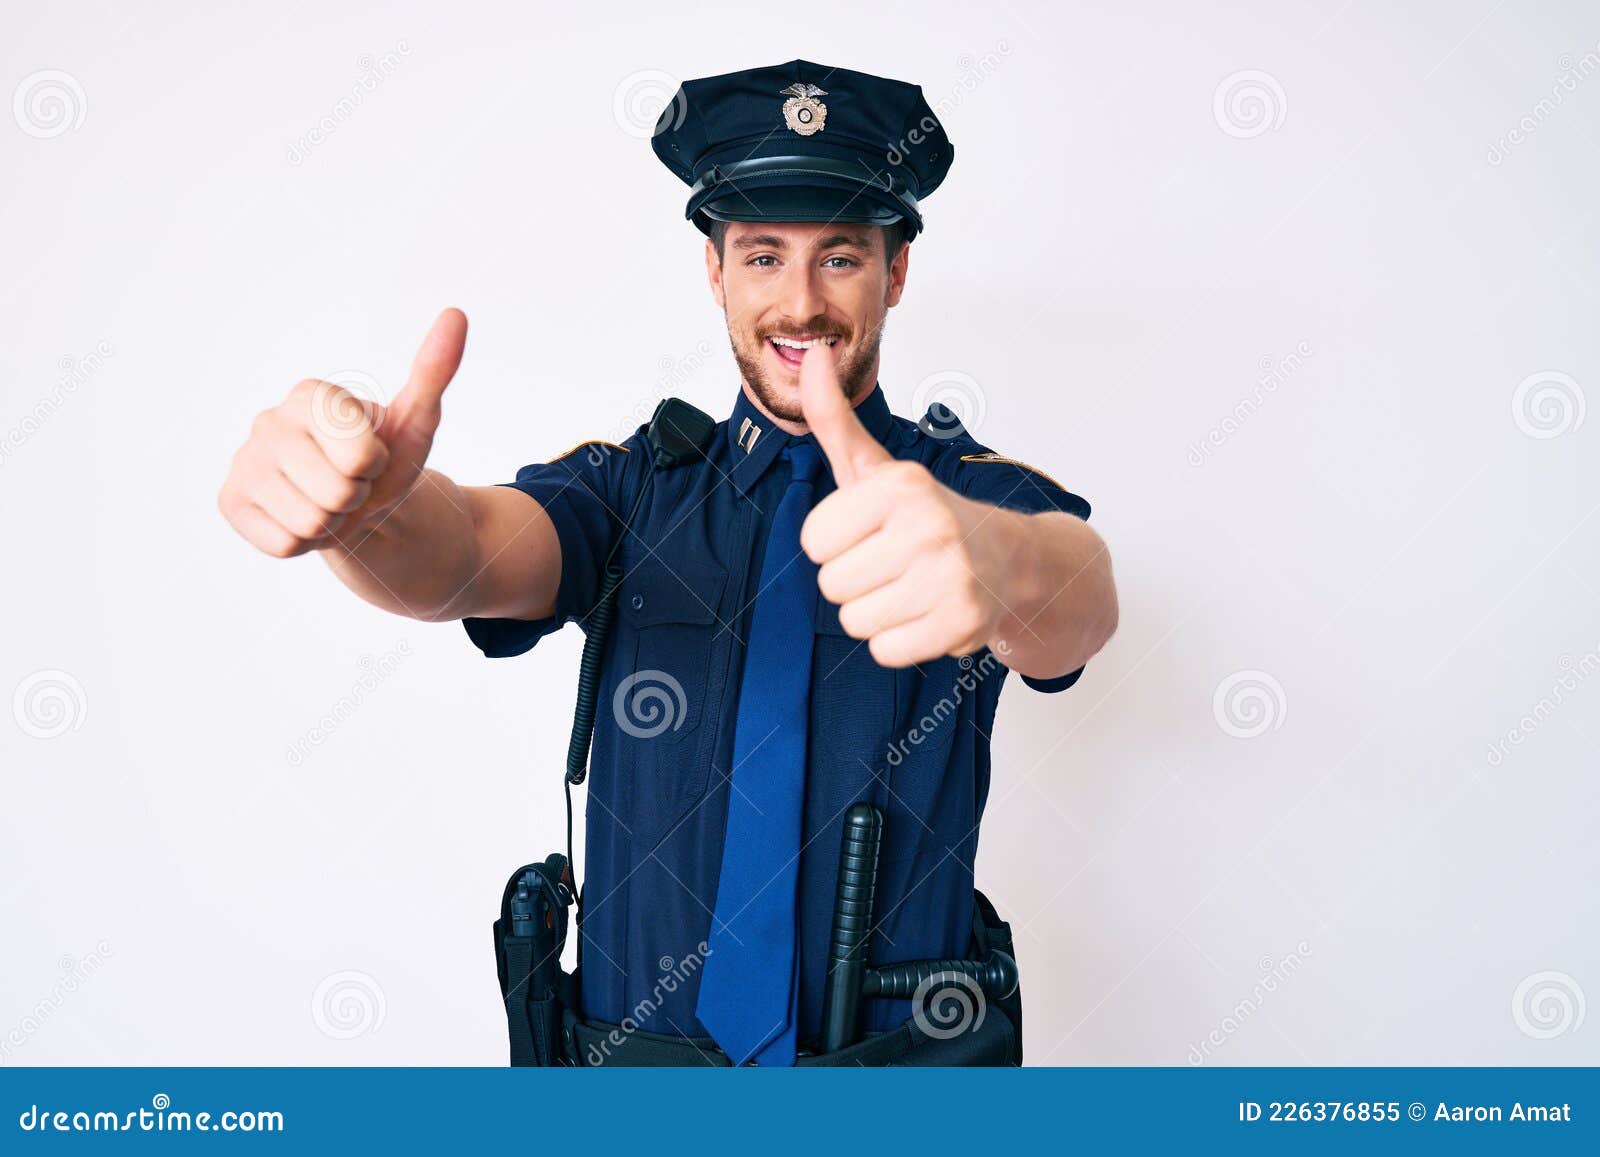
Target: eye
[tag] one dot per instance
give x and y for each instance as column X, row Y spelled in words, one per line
column 845, row 262
column 763, row 261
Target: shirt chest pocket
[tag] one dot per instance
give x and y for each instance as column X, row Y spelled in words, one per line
column 673, row 654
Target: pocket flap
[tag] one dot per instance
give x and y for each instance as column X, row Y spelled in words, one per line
column 686, row 592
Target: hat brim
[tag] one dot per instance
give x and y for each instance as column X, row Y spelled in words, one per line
column 787, row 192
column 808, row 205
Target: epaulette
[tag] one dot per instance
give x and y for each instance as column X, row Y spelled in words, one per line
column 991, row 456
column 581, row 445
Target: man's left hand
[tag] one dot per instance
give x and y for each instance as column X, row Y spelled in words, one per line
column 916, row 569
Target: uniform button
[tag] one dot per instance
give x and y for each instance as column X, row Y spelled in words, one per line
column 637, row 602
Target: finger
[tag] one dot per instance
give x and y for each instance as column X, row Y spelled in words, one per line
column 875, row 561
column 262, row 531
column 365, row 458
column 851, row 450
column 292, row 510
column 844, row 519
column 889, row 606
column 305, row 465
column 923, row 638
column 417, row 405
column 344, row 427
column 967, row 646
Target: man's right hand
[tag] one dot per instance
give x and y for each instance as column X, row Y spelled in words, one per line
column 326, row 466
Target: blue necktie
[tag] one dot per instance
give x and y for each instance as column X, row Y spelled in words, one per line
column 749, row 982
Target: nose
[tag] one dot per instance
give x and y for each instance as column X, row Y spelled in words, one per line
column 800, row 294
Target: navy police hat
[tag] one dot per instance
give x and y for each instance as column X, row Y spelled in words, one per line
column 803, row 142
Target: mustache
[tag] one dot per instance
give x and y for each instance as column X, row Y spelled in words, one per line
column 815, row 330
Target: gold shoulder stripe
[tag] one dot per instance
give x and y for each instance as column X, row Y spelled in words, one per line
column 991, row 456
column 589, row 442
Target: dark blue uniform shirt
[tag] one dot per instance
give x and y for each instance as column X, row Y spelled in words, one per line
column 914, row 741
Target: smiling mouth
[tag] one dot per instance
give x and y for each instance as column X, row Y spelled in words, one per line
column 791, row 350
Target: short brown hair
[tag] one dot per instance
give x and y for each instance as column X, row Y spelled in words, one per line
column 894, row 236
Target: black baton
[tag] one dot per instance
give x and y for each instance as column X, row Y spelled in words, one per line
column 997, row 976
column 852, row 924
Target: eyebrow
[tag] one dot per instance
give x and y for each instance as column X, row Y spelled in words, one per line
column 773, row 241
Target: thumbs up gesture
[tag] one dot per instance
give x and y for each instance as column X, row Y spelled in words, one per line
column 913, row 566
column 326, row 466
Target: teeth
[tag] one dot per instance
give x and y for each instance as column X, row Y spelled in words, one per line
column 803, row 345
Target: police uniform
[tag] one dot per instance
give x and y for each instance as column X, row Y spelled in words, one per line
column 913, row 741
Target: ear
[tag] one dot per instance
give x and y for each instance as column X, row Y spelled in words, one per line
column 714, row 275
column 897, row 275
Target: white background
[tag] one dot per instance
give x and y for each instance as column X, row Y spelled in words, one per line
column 1112, row 260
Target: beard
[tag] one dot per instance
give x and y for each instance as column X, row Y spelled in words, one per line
column 855, row 368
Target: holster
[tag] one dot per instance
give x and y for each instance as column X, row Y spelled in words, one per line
column 529, row 938
column 992, row 934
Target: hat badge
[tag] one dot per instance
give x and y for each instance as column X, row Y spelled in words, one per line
column 803, row 112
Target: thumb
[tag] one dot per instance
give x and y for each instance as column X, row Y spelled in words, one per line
column 415, row 409
column 851, row 450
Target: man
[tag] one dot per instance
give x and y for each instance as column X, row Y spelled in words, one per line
column 820, row 610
